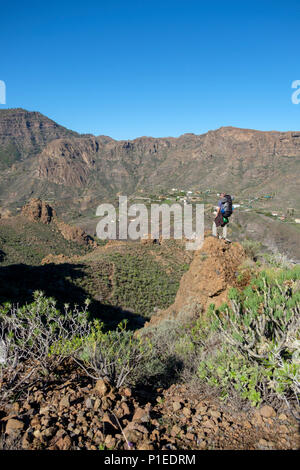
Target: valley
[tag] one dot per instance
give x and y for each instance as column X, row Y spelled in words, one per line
column 142, row 344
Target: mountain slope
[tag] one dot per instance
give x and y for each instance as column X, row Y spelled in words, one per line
column 77, row 172
column 24, row 133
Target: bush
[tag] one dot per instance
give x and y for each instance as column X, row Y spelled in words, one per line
column 278, row 260
column 35, row 338
column 116, row 355
column 175, row 350
column 252, row 248
column 249, row 348
column 262, row 324
column 231, row 373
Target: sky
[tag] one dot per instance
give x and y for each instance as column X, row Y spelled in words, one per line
column 157, row 68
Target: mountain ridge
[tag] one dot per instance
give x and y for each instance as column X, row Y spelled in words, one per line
column 43, row 159
column 229, row 127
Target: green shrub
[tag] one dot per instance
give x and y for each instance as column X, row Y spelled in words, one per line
column 116, row 355
column 252, row 248
column 277, row 260
column 140, row 283
column 248, row 348
column 232, row 372
column 35, row 338
column 262, row 324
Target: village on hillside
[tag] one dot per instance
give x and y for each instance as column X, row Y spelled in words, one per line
column 209, row 198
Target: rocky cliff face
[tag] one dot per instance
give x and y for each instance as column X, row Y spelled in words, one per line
column 23, row 133
column 231, row 155
column 39, row 211
column 68, row 161
column 81, row 169
column 212, row 272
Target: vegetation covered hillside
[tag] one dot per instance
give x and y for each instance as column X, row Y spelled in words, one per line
column 225, row 377
column 122, row 280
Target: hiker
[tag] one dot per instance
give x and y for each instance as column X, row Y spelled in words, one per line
column 224, row 211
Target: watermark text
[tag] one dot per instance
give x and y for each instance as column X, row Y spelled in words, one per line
column 2, row 92
column 160, row 221
column 296, row 94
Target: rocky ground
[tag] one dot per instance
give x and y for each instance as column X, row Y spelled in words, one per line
column 76, row 414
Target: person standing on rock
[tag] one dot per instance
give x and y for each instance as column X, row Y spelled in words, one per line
column 224, row 211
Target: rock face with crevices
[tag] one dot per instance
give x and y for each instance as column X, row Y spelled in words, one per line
column 37, row 210
column 24, row 134
column 212, row 272
column 42, row 159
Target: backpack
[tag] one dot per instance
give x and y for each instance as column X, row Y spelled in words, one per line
column 227, row 205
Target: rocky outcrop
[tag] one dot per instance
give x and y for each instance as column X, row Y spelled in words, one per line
column 58, row 259
column 147, row 239
column 24, row 133
column 212, row 272
column 38, row 211
column 75, row 234
column 5, row 213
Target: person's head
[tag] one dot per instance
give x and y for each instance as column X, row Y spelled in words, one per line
column 222, row 194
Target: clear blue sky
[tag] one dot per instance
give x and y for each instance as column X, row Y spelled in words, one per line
column 148, row 67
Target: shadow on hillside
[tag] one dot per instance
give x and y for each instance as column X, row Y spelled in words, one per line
column 18, row 282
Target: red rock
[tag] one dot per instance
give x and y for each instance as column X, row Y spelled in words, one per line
column 187, row 412
column 145, row 445
column 267, row 412
column 126, row 392
column 175, row 431
column 14, row 426
column 215, row 414
column 110, row 441
column 125, row 408
column 257, row 419
column 64, row 443
column 102, row 387
column 283, row 429
column 141, row 415
column 203, row 445
column 247, row 425
column 176, row 406
column 265, row 443
column 282, row 417
column 64, row 402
